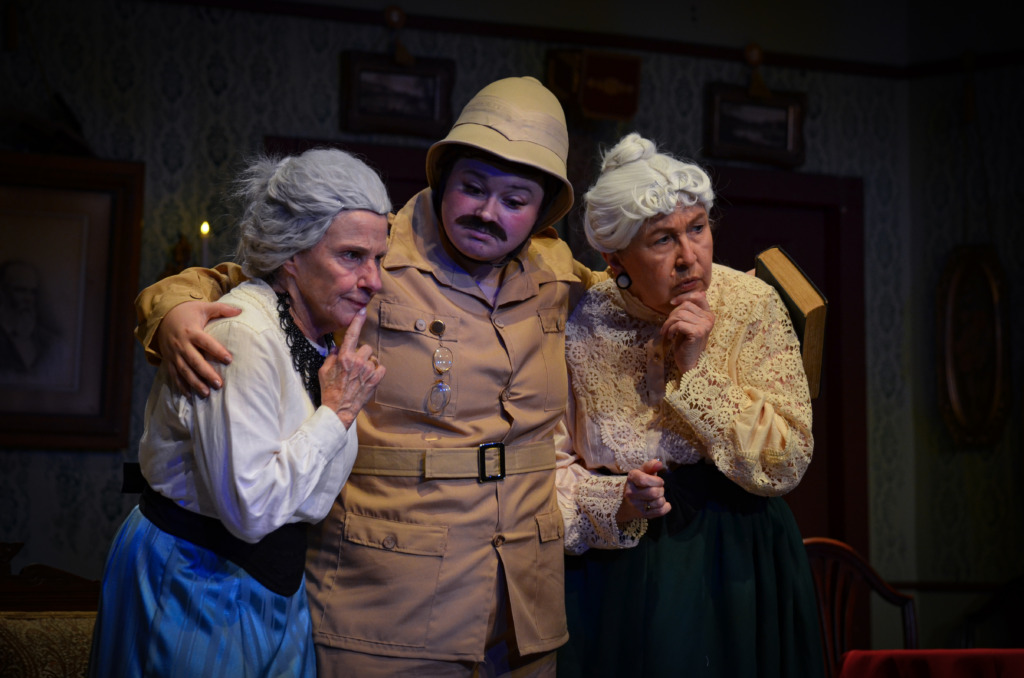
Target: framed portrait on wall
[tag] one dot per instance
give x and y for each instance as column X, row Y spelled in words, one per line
column 68, row 274
column 379, row 95
column 767, row 129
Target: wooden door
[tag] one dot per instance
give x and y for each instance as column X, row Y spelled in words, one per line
column 819, row 221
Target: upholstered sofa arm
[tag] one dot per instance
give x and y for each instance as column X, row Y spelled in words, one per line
column 45, row 644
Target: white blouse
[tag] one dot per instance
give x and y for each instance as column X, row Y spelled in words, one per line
column 255, row 454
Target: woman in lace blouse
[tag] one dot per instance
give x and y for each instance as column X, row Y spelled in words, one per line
column 689, row 417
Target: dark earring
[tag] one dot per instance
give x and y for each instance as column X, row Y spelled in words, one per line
column 623, row 280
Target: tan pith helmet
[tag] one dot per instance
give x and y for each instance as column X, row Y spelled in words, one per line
column 518, row 120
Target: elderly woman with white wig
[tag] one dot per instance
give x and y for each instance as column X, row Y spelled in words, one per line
column 689, row 417
column 205, row 577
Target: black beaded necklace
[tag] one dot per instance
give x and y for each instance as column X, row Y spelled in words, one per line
column 306, row 359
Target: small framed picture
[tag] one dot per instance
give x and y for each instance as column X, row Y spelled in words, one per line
column 768, row 129
column 68, row 273
column 379, row 95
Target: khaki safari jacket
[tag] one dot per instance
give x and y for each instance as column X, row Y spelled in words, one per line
column 406, row 565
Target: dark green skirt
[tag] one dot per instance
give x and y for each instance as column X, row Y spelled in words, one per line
column 721, row 589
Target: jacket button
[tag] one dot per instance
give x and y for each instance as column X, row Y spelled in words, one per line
column 498, row 540
column 389, row 542
column 499, row 323
column 421, row 324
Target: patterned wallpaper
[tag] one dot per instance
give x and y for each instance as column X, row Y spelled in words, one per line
column 190, row 91
column 968, row 175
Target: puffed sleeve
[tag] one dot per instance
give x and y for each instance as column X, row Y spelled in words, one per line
column 749, row 402
column 155, row 301
column 589, row 500
column 259, row 474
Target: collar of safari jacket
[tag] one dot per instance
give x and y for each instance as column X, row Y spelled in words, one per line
column 415, row 242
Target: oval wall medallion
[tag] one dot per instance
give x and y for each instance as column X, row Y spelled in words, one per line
column 973, row 345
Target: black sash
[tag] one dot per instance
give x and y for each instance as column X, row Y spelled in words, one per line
column 277, row 561
column 690, row 487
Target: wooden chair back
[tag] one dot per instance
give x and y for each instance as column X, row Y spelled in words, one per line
column 841, row 577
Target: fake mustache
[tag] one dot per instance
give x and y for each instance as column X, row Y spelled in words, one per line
column 487, row 227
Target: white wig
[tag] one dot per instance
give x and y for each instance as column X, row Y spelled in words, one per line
column 635, row 184
column 289, row 203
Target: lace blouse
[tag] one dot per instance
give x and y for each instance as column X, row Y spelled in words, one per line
column 744, row 407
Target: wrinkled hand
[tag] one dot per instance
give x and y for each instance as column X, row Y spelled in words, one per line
column 186, row 347
column 687, row 328
column 349, row 375
column 644, row 494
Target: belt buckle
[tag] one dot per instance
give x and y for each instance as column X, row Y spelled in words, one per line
column 481, row 462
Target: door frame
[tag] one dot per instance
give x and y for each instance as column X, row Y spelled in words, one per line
column 840, row 202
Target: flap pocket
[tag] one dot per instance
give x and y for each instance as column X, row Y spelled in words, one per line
column 399, row 318
column 550, row 525
column 390, row 535
column 552, row 319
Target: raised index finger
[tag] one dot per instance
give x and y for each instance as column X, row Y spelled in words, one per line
column 348, row 344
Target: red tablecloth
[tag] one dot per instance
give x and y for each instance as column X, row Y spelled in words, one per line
column 975, row 663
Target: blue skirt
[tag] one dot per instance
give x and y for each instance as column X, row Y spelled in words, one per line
column 725, row 592
column 171, row 608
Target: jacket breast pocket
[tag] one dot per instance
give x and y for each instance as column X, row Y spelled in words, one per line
column 552, row 323
column 386, row 581
column 407, row 339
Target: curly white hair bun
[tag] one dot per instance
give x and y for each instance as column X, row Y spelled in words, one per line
column 630, row 148
column 637, row 183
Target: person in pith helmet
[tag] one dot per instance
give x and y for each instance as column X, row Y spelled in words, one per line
column 443, row 555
